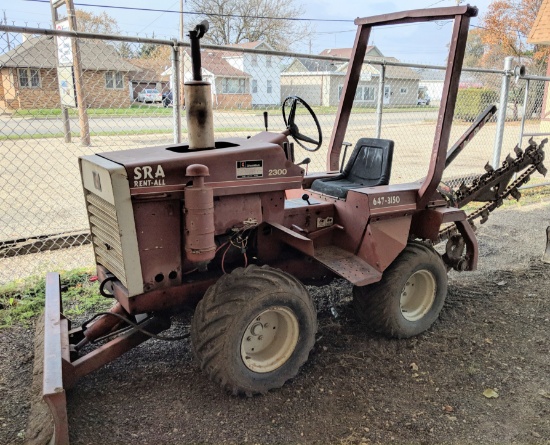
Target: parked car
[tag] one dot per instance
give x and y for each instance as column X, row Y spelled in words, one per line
column 167, row 98
column 425, row 100
column 149, row 95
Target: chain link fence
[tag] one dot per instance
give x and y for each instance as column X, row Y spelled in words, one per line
column 129, row 89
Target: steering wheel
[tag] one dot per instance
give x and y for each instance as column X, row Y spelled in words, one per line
column 291, row 126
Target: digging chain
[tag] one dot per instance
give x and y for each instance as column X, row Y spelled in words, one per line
column 491, row 186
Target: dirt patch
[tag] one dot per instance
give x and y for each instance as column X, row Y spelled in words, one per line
column 357, row 387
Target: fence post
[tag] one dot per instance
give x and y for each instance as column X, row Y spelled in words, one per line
column 503, row 104
column 380, row 103
column 176, row 109
column 525, row 100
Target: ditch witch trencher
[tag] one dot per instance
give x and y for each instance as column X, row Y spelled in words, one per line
column 236, row 226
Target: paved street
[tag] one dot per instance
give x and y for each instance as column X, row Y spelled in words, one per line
column 33, row 126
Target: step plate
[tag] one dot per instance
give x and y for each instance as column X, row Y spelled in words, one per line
column 347, row 265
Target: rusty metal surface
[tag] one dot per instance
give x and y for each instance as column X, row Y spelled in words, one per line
column 159, row 244
column 105, row 324
column 293, row 239
column 142, row 165
column 446, row 109
column 347, row 265
column 118, row 346
column 235, row 210
column 187, row 293
column 384, row 240
column 53, row 390
column 418, row 15
column 472, row 249
column 469, row 134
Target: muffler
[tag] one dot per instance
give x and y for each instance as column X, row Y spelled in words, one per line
column 198, row 97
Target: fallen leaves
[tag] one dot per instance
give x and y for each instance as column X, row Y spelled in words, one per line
column 490, row 393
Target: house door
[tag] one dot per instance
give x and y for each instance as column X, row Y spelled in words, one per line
column 387, row 94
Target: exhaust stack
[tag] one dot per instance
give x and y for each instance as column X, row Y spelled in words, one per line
column 198, row 96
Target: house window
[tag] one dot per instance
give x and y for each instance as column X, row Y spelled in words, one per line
column 268, row 61
column 233, row 86
column 403, row 90
column 269, row 87
column 364, row 94
column 113, row 80
column 29, row 77
column 254, row 59
column 254, row 86
column 368, row 94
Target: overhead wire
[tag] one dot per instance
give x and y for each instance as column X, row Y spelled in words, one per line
column 133, row 8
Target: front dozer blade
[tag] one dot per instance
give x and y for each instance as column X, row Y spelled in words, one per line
column 55, row 370
column 546, row 256
column 48, row 415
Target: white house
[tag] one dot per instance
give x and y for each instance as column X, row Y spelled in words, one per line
column 263, row 69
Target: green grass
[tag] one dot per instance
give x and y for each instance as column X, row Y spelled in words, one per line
column 22, row 300
column 140, row 110
column 16, row 137
column 133, row 110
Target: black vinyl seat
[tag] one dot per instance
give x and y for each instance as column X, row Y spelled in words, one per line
column 368, row 166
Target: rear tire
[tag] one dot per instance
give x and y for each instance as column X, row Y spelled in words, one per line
column 410, row 296
column 254, row 329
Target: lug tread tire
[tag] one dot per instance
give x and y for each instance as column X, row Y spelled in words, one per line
column 378, row 304
column 218, row 320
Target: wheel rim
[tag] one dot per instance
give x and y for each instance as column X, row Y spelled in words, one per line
column 418, row 295
column 269, row 339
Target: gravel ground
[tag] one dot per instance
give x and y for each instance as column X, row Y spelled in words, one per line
column 357, row 387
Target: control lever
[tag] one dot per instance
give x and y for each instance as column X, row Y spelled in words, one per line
column 265, row 120
column 305, row 197
column 306, row 161
column 346, row 145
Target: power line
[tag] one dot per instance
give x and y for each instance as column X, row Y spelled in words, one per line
column 292, row 19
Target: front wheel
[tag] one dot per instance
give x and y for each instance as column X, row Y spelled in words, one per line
column 254, row 329
column 408, row 299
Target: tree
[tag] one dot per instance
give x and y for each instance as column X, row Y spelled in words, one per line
column 504, row 32
column 474, row 48
column 97, row 23
column 103, row 24
column 240, row 21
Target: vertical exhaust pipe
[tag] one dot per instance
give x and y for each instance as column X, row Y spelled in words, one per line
column 198, row 96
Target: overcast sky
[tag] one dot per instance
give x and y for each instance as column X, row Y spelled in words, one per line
column 421, row 43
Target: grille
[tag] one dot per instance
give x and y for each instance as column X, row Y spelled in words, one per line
column 106, row 235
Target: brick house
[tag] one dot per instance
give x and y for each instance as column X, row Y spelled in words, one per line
column 151, row 74
column 540, row 35
column 28, row 75
column 230, row 86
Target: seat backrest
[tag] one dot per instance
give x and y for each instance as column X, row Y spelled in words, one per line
column 370, row 162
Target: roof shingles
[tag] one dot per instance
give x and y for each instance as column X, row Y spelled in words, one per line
column 40, row 52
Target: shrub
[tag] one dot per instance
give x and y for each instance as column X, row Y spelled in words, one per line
column 472, row 101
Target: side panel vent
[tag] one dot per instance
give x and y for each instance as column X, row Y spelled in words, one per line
column 106, row 235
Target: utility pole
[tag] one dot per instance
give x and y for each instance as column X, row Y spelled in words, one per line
column 7, row 34
column 181, row 76
column 80, row 93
